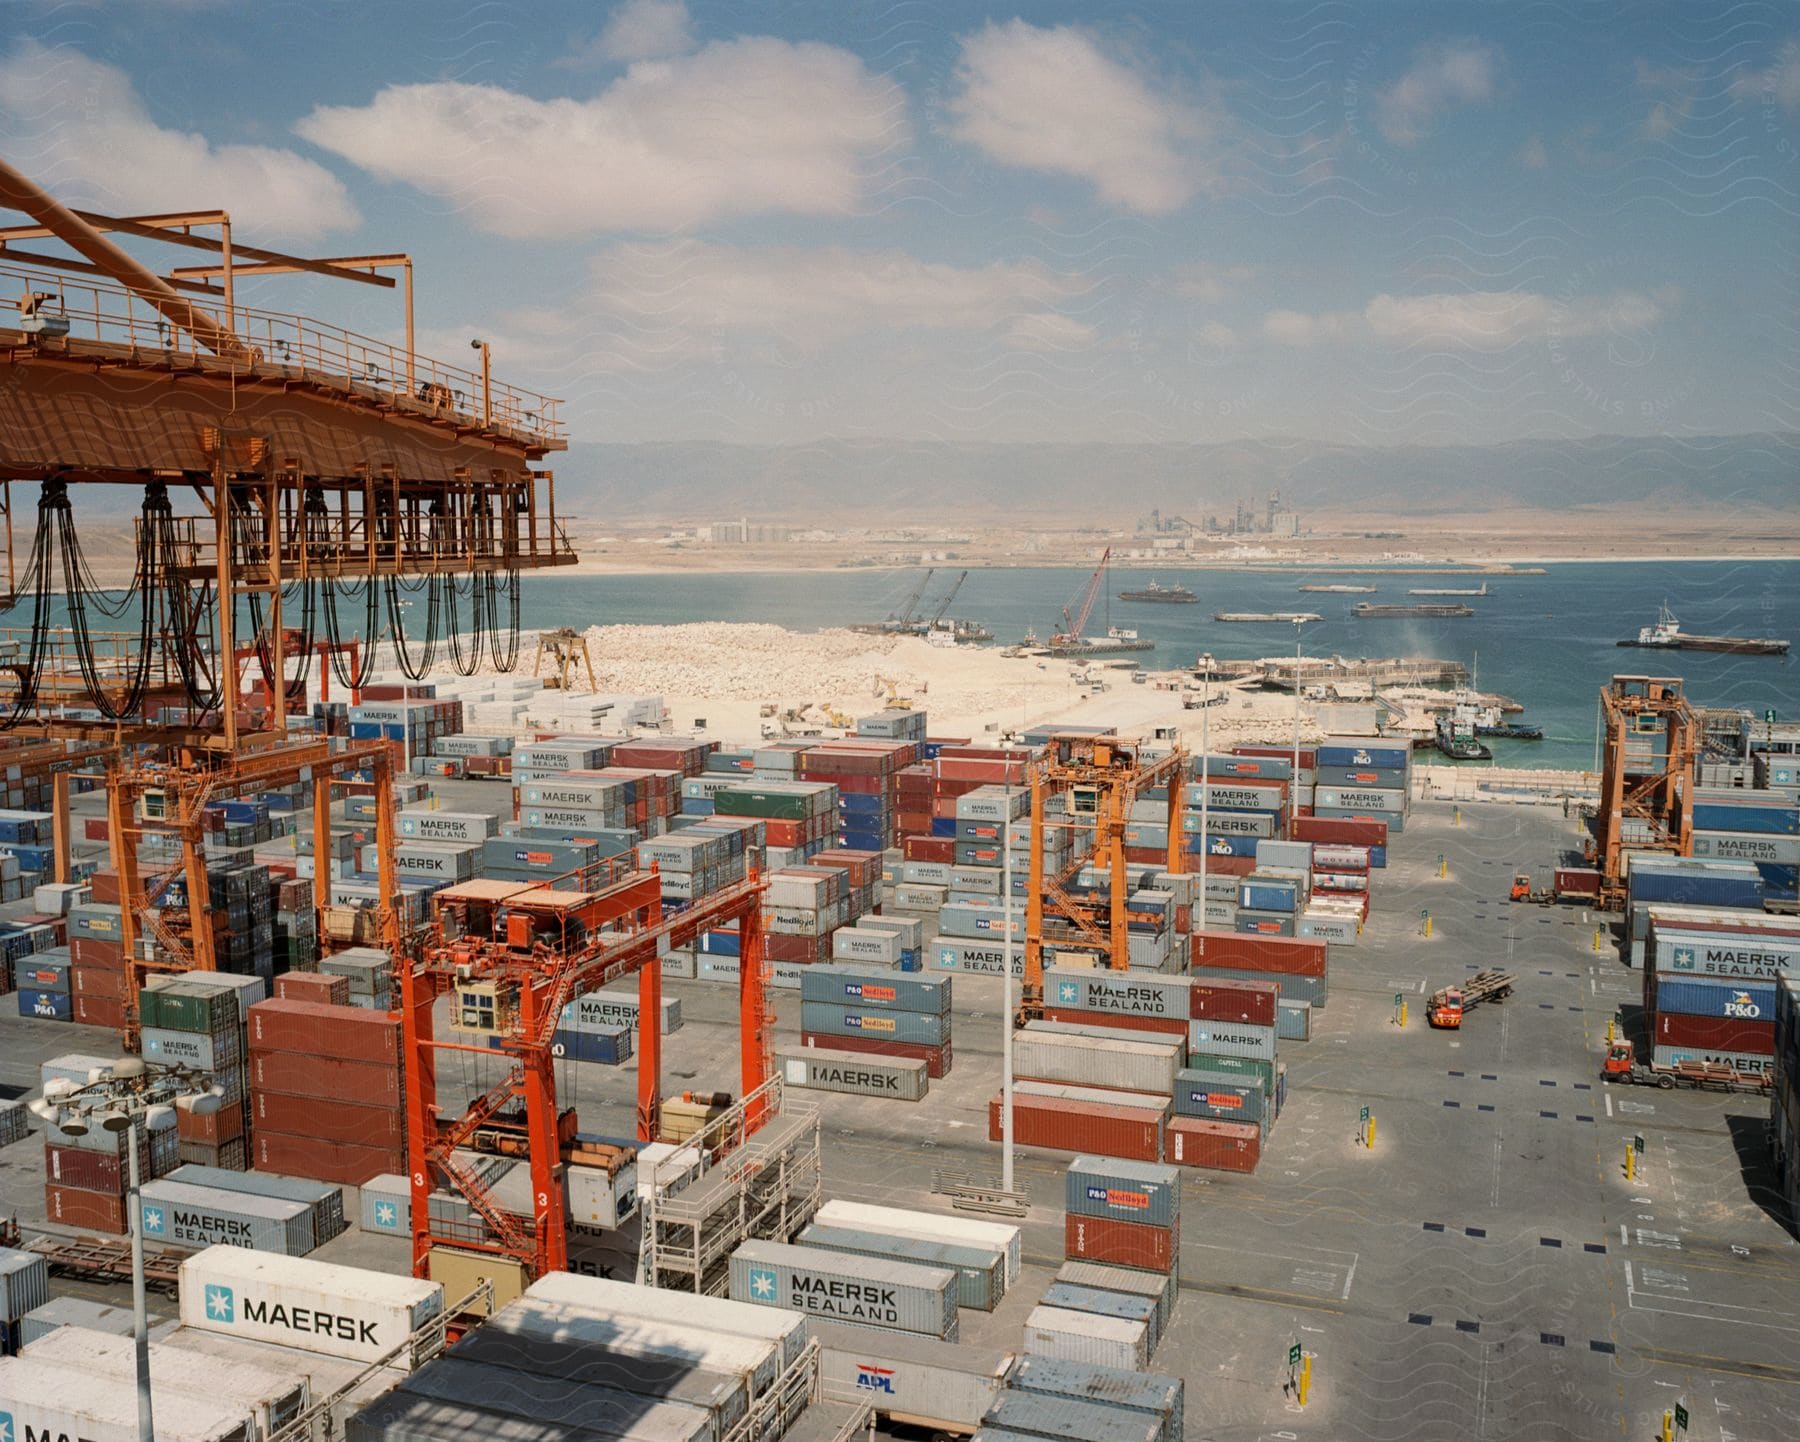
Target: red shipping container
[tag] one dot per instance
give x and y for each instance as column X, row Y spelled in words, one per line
column 94, row 828
column 97, row 982
column 1063, row 1125
column 92, row 1211
column 1713, row 1033
column 96, row 953
column 1121, row 1244
column 1309, row 758
column 325, row 1078
column 1350, row 831
column 1166, row 1025
column 779, row 947
column 214, row 1129
column 1219, row 1146
column 322, row 1160
column 328, row 1119
column 937, row 1059
column 105, row 886
column 1229, row 999
column 89, row 1171
column 107, row 1011
column 340, row 1031
column 313, row 986
column 1291, row 955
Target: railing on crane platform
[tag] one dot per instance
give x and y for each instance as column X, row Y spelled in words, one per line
column 295, row 347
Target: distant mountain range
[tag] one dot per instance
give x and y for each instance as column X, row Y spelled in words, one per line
column 890, row 481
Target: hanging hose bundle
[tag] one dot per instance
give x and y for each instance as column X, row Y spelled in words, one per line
column 54, row 511
column 504, row 660
column 319, row 545
column 466, row 662
column 245, row 547
column 396, row 589
column 29, row 671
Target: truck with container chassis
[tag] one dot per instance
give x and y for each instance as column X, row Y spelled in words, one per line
column 1622, row 1065
column 1446, row 1006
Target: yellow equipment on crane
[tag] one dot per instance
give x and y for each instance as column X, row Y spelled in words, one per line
column 1100, row 777
column 566, row 647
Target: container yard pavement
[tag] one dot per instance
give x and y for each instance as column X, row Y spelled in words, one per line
column 1484, row 1270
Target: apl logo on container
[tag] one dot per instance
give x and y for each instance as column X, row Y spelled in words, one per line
column 1740, row 1005
column 869, row 991
column 869, row 1378
column 1115, row 1197
column 221, row 1304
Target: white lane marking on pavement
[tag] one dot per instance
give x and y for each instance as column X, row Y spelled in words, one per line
column 1624, row 1241
column 1609, row 1105
column 1349, row 1277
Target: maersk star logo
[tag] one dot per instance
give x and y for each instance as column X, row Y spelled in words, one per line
column 6, row 1427
column 762, row 1285
column 1684, row 958
column 387, row 1216
column 1068, row 991
column 153, row 1219
column 221, row 1306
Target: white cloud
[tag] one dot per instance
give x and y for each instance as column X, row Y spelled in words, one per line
column 1474, row 320
column 1050, row 331
column 1533, row 155
column 1053, row 100
column 1222, row 337
column 1442, row 75
column 78, row 127
column 1779, row 83
column 1206, row 282
column 647, row 30
column 742, row 127
column 812, row 298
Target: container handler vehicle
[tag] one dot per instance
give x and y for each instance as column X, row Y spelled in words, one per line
column 1446, row 1006
column 1622, row 1065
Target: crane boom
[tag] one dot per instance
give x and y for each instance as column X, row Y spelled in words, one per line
column 949, row 596
column 1074, row 625
column 906, row 611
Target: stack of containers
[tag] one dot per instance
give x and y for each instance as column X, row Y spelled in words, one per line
column 799, row 817
column 656, row 793
column 578, row 800
column 1123, row 1214
column 1784, row 1104
column 545, row 760
column 542, row 862
column 1364, row 777
column 685, row 755
column 44, row 982
column 471, row 755
column 801, row 908
column 1244, row 800
column 1710, row 984
column 1111, row 1389
column 198, row 1019
column 24, row 1287
column 866, row 773
column 866, row 1291
column 894, row 724
column 1340, row 894
column 1270, row 901
column 980, row 1267
column 86, row 1176
column 878, row 1012
column 368, row 972
column 412, row 728
column 1346, row 831
column 1761, row 827
column 327, row 1091
column 1298, row 965
column 1653, row 879
column 295, row 936
column 690, row 865
column 862, row 877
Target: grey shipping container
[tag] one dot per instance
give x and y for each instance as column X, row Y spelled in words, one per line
column 840, row 1287
column 1150, row 1392
column 1293, row 1020
column 821, row 1069
column 325, row 1199
column 1231, row 1038
column 911, row 1379
column 603, row 1410
column 1158, row 1286
column 409, row 1417
column 40, row 1322
column 980, row 1271
column 386, row 1205
column 865, row 987
column 1085, row 1337
column 1039, row 1415
column 1117, row 1060
column 1103, row 1303
column 1223, row 1098
column 1125, row 1191
column 787, row 1335
column 188, row 1216
column 503, row 1343
column 24, row 1283
column 918, row 1027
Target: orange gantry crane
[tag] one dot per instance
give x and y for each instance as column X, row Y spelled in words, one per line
column 512, row 956
column 1099, row 777
column 1650, row 740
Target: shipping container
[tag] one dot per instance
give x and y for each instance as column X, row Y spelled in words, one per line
column 854, row 1073
column 1720, row 997
column 183, row 1215
column 314, row 1306
column 1208, row 1094
column 980, row 1268
column 1146, row 1392
column 24, row 1283
column 930, row 1226
column 58, row 1312
column 915, row 1027
column 1060, row 1124
column 50, row 1402
column 1159, row 1287
column 786, row 1335
column 911, row 1380
column 839, row 1287
column 1125, row 1191
column 937, row 1059
column 1210, row 949
column 1035, row 1414
column 1216, row 1145
column 1723, row 1034
column 1084, row 1337
column 1115, row 1060
column 1121, row 1244
column 1103, row 1303
column 602, row 1411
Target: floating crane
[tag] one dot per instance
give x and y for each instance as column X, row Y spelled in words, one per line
column 944, row 605
column 1074, row 625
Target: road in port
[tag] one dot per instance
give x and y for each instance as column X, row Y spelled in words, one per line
column 1484, row 1271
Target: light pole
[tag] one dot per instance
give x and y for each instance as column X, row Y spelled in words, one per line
column 1006, row 989
column 1294, row 780
column 487, row 382
column 130, row 1096
column 1205, row 785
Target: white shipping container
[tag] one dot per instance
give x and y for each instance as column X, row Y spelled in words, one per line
column 200, row 1216
column 48, row 1400
column 915, row 1380
column 750, row 1361
column 1095, row 1061
column 315, row 1306
column 929, row 1226
column 716, row 1314
column 1085, row 1337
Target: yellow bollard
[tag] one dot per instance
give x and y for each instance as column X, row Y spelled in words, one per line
column 1428, row 924
column 1630, row 1163
column 1371, row 1131
column 1609, row 1032
column 1402, row 1016
column 1668, row 1433
column 1443, row 868
column 1596, row 938
column 1306, row 1379
column 1458, row 811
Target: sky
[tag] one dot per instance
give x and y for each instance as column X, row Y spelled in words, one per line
column 772, row 223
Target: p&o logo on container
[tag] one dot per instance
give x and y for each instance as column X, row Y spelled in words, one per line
column 221, row 1306
column 1742, row 1007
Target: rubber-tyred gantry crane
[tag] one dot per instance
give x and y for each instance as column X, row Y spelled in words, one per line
column 1100, row 777
column 513, row 956
column 1650, row 738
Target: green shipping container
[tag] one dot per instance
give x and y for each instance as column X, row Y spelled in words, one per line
column 1240, row 1067
column 772, row 805
column 188, row 1008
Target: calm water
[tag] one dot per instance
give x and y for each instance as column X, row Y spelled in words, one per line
column 1547, row 641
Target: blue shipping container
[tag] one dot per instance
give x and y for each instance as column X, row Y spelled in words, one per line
column 1358, row 752
column 1267, row 895
column 1759, row 820
column 46, row 1005
column 1725, row 998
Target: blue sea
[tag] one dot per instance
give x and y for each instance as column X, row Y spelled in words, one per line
column 1547, row 641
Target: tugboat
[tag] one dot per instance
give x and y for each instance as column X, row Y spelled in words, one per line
column 1176, row 595
column 1667, row 635
column 1458, row 743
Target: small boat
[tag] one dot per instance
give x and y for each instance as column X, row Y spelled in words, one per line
column 1338, row 590
column 1176, row 595
column 1258, row 617
column 1667, row 635
column 1365, row 611
column 1425, row 591
column 1457, row 741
